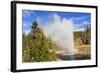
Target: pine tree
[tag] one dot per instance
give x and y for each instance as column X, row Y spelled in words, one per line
column 36, row 46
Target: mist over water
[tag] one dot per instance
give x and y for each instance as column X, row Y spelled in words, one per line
column 61, row 32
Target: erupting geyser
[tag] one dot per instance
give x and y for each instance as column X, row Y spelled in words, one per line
column 61, row 31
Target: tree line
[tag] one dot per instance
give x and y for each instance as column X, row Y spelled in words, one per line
column 84, row 35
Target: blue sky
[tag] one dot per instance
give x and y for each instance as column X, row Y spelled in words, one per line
column 80, row 20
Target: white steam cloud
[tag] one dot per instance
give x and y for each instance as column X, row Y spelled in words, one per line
column 61, row 31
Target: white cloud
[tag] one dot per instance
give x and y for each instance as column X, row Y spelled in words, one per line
column 82, row 26
column 27, row 32
column 26, row 13
column 26, row 24
column 85, row 22
column 79, row 18
column 61, row 31
column 80, row 29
